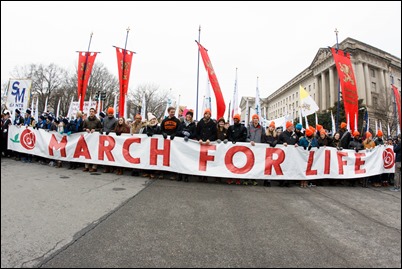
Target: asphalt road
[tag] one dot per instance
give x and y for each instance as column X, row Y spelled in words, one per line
column 106, row 220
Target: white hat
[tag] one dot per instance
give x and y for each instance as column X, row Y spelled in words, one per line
column 151, row 116
column 5, row 112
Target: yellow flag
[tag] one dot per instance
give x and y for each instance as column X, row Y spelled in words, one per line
column 307, row 104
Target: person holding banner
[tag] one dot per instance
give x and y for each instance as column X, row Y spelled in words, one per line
column 91, row 124
column 236, row 133
column 270, row 137
column 308, row 142
column 397, row 178
column 109, row 124
column 170, row 126
column 206, row 132
column 222, row 135
column 29, row 121
column 254, row 135
column 288, row 137
column 356, row 145
column 18, row 120
column 120, row 128
column 369, row 144
column 5, row 123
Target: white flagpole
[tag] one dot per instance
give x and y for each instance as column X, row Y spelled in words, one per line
column 37, row 112
column 46, row 104
column 305, row 117
column 389, row 131
column 125, row 107
column 176, row 114
column 235, row 105
column 115, row 103
column 348, row 123
column 316, row 119
column 257, row 102
column 333, row 124
column 368, row 124
column 58, row 109
column 32, row 106
column 144, row 109
column 99, row 105
column 380, row 126
column 355, row 120
column 70, row 108
column 376, row 126
column 246, row 119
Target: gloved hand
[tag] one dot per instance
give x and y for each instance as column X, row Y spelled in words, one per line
column 164, row 135
column 61, row 133
column 305, row 148
column 340, row 148
column 68, row 133
column 101, row 132
column 107, row 133
column 225, row 141
column 171, row 137
column 218, row 141
column 273, row 144
column 318, row 147
column 309, row 148
column 117, row 133
column 185, row 133
column 356, row 150
column 186, row 138
column 149, row 133
column 233, row 142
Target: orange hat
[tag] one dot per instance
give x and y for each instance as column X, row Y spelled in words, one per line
column 319, row 127
column 236, row 116
column 110, row 110
column 288, row 124
column 379, row 133
column 368, row 134
column 343, row 125
column 255, row 116
column 309, row 132
column 272, row 124
column 356, row 134
column 207, row 111
column 323, row 131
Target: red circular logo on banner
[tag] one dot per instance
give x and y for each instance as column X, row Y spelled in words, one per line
column 389, row 158
column 27, row 139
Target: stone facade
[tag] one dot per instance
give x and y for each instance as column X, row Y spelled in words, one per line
column 372, row 68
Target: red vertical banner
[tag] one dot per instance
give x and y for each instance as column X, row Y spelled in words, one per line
column 398, row 103
column 220, row 102
column 124, row 58
column 85, row 63
column 348, row 85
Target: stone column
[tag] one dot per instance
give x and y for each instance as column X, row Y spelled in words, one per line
column 323, row 92
column 332, row 92
column 360, row 82
column 368, row 84
column 317, row 92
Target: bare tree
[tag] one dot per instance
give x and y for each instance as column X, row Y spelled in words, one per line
column 155, row 100
column 47, row 81
column 385, row 111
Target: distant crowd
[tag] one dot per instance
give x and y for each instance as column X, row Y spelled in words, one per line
column 206, row 131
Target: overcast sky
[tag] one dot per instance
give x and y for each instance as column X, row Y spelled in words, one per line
column 272, row 40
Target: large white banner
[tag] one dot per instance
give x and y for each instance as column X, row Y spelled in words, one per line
column 18, row 94
column 240, row 160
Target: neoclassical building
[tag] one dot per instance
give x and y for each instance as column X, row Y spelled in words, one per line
column 373, row 69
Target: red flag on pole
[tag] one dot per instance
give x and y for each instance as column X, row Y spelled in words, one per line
column 220, row 102
column 398, row 103
column 85, row 63
column 348, row 84
column 124, row 58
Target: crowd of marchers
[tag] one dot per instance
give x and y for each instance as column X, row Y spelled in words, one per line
column 205, row 131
